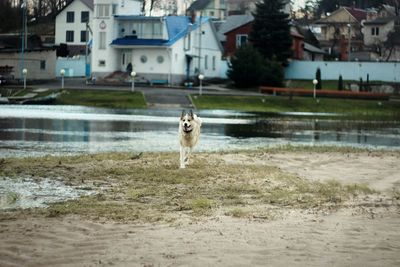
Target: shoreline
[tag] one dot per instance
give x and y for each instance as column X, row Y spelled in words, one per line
column 310, row 206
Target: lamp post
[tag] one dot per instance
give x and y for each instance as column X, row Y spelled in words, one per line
column 349, row 43
column 201, row 78
column 62, row 73
column 133, row 74
column 315, row 82
column 24, row 74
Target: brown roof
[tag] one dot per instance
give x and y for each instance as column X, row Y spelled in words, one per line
column 358, row 14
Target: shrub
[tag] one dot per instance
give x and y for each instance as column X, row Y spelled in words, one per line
column 340, row 83
column 318, row 77
column 249, row 69
column 246, row 67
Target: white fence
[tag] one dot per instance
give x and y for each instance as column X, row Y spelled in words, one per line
column 74, row 67
column 330, row 70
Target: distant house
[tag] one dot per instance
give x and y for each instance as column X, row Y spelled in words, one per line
column 338, row 28
column 71, row 26
column 237, row 29
column 215, row 9
column 37, row 59
column 234, row 32
column 376, row 30
column 159, row 49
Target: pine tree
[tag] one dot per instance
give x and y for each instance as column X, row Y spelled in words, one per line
column 318, row 78
column 340, row 83
column 246, row 67
column 270, row 34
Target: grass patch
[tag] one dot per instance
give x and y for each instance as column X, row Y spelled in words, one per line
column 102, row 98
column 350, row 107
column 238, row 213
column 11, row 197
column 150, row 187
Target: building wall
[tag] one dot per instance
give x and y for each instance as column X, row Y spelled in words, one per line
column 230, row 45
column 384, row 30
column 342, row 16
column 74, row 67
column 33, row 62
column 77, row 26
column 379, row 71
column 108, row 26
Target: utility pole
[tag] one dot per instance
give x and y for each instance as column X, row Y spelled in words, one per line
column 200, row 34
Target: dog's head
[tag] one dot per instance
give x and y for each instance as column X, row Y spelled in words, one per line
column 187, row 121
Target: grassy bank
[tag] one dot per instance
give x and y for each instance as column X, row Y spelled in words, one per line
column 348, row 107
column 102, row 98
column 150, row 187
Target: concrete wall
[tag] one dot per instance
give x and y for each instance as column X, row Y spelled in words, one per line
column 74, row 67
column 40, row 64
column 330, row 70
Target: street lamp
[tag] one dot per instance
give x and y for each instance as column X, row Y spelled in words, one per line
column 62, row 73
column 349, row 43
column 133, row 74
column 24, row 73
column 201, row 78
column 315, row 82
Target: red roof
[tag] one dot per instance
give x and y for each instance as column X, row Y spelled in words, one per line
column 358, row 14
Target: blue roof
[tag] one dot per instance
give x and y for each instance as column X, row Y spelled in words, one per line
column 177, row 27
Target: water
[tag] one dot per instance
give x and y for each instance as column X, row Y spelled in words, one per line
column 29, row 193
column 59, row 130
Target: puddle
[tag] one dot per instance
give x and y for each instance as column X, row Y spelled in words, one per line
column 33, row 193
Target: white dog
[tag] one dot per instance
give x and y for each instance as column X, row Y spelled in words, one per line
column 189, row 134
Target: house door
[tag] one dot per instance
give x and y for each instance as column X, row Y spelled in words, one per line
column 126, row 61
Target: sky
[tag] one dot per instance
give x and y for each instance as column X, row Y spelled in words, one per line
column 298, row 3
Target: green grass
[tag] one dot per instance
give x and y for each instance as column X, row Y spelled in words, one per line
column 326, row 84
column 102, row 98
column 348, row 107
column 151, row 187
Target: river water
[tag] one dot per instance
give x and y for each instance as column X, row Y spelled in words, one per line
column 58, row 130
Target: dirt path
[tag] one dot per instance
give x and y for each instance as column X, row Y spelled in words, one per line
column 356, row 235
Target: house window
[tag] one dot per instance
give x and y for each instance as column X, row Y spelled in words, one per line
column 214, row 59
column 114, row 8
column 42, row 64
column 83, row 37
column 157, row 30
column 69, row 38
column 206, row 62
column 84, row 16
column 212, row 13
column 375, row 31
column 143, row 59
column 102, row 40
column 103, row 11
column 160, row 59
column 241, row 39
column 102, row 63
column 70, row 17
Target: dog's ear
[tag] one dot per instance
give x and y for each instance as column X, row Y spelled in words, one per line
column 191, row 113
column 183, row 114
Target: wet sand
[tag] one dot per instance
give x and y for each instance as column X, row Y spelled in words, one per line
column 354, row 235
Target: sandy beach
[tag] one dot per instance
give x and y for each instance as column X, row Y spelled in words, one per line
column 361, row 231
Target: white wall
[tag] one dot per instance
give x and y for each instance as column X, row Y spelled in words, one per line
column 32, row 62
column 330, row 70
column 77, row 26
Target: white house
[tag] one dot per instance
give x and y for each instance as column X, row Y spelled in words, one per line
column 159, row 49
column 71, row 25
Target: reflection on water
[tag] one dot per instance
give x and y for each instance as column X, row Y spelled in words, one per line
column 38, row 130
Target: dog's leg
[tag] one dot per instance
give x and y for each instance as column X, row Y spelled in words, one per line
column 182, row 158
column 187, row 156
